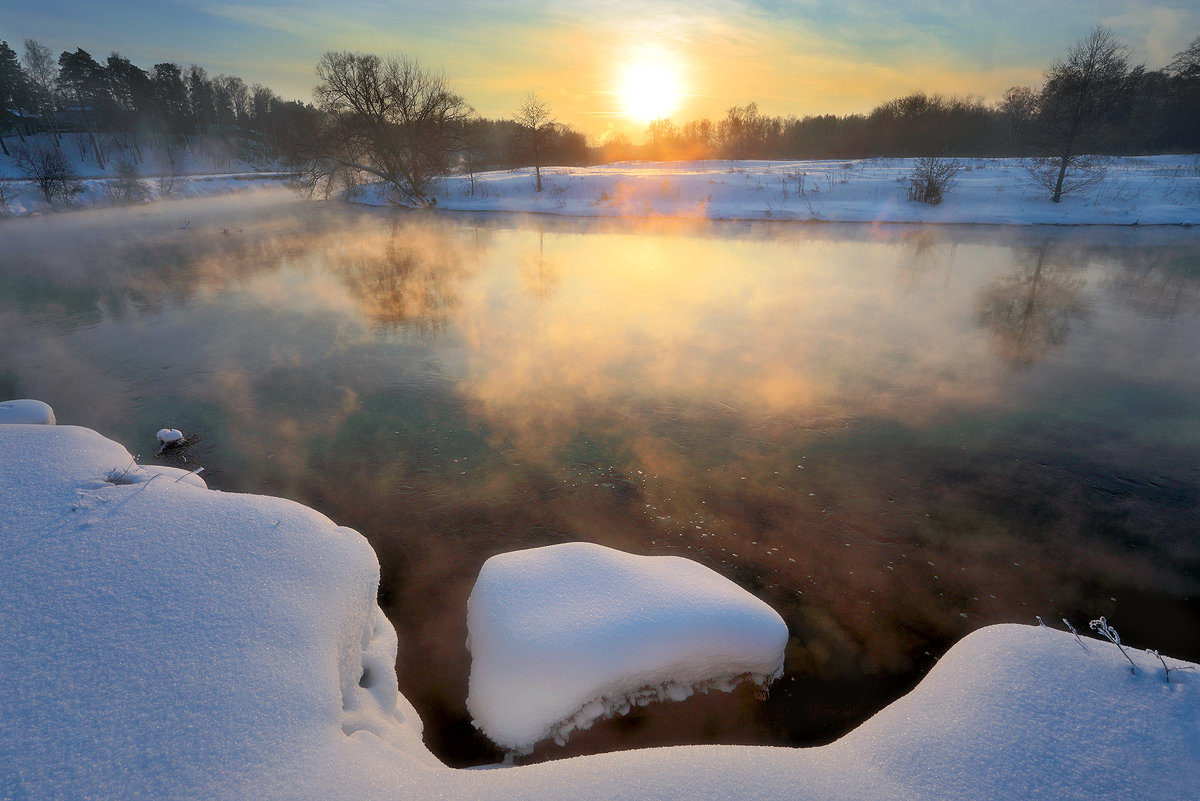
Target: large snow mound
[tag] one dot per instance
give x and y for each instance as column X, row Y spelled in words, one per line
column 1010, row 713
column 162, row 640
column 562, row 635
column 1027, row 712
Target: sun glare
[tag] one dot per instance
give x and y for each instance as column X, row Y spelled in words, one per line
column 649, row 90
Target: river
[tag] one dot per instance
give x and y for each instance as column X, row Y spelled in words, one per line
column 892, row 434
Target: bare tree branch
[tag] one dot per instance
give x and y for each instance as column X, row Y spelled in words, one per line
column 386, row 118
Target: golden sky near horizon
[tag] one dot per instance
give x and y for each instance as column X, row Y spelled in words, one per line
column 611, row 67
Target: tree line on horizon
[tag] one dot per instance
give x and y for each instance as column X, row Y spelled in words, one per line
column 1146, row 111
column 117, row 107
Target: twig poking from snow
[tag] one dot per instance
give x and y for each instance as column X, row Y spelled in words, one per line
column 116, row 476
column 1078, row 639
column 1108, row 631
column 1167, row 668
column 195, row 472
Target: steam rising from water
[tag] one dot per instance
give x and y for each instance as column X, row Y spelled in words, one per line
column 892, row 434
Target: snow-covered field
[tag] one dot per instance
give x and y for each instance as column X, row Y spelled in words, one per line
column 163, row 640
column 1153, row 190
column 24, row 198
column 204, row 171
column 1158, row 190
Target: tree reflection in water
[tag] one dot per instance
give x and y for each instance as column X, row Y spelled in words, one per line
column 1158, row 283
column 406, row 279
column 1029, row 312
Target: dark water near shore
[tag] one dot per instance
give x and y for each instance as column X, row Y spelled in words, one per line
column 892, row 434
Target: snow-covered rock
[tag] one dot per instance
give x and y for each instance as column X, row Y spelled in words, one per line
column 563, row 635
column 169, row 436
column 26, row 411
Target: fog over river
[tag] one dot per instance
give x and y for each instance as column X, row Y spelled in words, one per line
column 893, row 435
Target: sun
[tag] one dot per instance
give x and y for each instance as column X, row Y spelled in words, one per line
column 650, row 89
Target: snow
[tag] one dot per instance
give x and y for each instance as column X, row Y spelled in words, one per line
column 25, row 199
column 164, row 640
column 1148, row 190
column 169, row 436
column 26, row 411
column 1157, row 190
column 205, row 170
column 563, row 635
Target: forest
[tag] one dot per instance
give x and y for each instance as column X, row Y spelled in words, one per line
column 121, row 108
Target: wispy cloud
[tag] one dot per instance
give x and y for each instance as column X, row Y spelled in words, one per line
column 1157, row 31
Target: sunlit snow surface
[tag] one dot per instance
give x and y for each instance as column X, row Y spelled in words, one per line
column 563, row 635
column 1145, row 190
column 1152, row 190
column 165, row 641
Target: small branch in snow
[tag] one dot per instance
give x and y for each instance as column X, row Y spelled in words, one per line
column 1078, row 639
column 1167, row 668
column 195, row 472
column 116, row 476
column 1110, row 633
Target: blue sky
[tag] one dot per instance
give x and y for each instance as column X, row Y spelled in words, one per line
column 799, row 57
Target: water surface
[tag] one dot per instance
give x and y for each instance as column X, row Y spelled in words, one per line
column 892, row 434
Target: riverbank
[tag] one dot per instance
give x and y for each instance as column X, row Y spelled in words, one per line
column 22, row 199
column 167, row 640
column 1135, row 191
column 1155, row 190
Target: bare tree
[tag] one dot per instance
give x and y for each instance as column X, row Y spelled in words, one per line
column 128, row 186
column 50, row 171
column 383, row 117
column 534, row 116
column 1018, row 111
column 743, row 132
column 932, row 177
column 1083, row 91
column 172, row 167
column 1186, row 63
column 42, row 70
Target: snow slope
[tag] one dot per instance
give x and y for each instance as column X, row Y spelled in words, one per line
column 563, row 635
column 207, row 169
column 162, row 640
column 24, row 199
column 165, row 641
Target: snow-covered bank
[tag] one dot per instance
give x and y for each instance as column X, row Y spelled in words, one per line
column 23, row 198
column 1159, row 190
column 162, row 640
column 1152, row 190
column 205, row 169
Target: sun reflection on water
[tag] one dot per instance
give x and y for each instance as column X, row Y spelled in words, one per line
column 893, row 435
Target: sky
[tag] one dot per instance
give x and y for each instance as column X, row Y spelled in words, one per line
column 610, row 67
